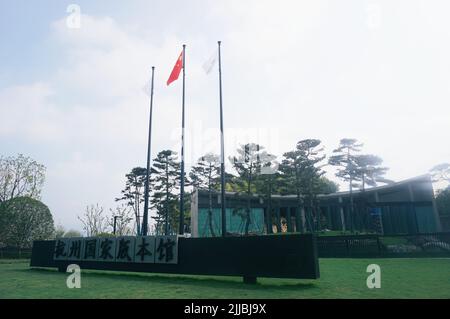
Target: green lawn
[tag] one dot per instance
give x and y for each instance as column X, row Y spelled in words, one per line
column 340, row 278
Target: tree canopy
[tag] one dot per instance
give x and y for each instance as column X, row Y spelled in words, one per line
column 166, row 183
column 23, row 220
column 20, row 176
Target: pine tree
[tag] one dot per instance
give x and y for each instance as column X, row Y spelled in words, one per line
column 133, row 193
column 302, row 174
column 166, row 179
column 248, row 165
column 345, row 161
column 370, row 170
column 268, row 184
column 206, row 175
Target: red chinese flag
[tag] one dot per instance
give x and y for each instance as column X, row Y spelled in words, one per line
column 176, row 69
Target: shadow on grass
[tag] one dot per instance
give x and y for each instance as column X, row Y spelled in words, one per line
column 189, row 280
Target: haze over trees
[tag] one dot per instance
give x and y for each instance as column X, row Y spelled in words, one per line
column 61, row 232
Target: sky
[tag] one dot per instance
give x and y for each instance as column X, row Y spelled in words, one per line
column 72, row 98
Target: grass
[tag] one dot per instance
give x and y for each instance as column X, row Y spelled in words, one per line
column 340, row 278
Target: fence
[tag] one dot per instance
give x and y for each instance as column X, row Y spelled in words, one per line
column 369, row 246
column 15, row 253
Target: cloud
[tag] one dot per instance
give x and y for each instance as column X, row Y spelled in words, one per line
column 27, row 113
column 90, row 115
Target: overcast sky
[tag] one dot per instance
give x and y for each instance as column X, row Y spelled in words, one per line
column 72, row 98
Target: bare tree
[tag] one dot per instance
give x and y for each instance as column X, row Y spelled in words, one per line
column 20, row 176
column 124, row 217
column 94, row 221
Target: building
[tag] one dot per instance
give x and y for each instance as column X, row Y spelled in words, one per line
column 405, row 207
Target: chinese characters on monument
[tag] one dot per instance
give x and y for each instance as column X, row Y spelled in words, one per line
column 126, row 249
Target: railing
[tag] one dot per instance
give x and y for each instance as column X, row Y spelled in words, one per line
column 15, row 253
column 417, row 245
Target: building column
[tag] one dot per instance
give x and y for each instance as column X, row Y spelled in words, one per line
column 269, row 220
column 303, row 219
column 319, row 218
column 341, row 212
column 329, row 219
column 436, row 215
column 289, row 221
column 278, row 219
column 412, row 206
column 377, row 200
column 298, row 224
column 194, row 213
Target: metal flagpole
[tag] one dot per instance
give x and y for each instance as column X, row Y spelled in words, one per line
column 222, row 151
column 181, row 222
column 147, row 177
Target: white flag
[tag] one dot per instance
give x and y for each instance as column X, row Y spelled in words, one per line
column 209, row 65
column 147, row 88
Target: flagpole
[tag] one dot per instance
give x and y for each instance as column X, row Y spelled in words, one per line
column 222, row 152
column 147, row 177
column 181, row 222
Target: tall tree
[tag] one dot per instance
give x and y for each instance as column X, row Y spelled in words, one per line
column 312, row 156
column 205, row 174
column 268, row 184
column 166, row 180
column 345, row 161
column 23, row 220
column 20, row 176
column 370, row 171
column 248, row 165
column 302, row 173
column 291, row 170
column 133, row 193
